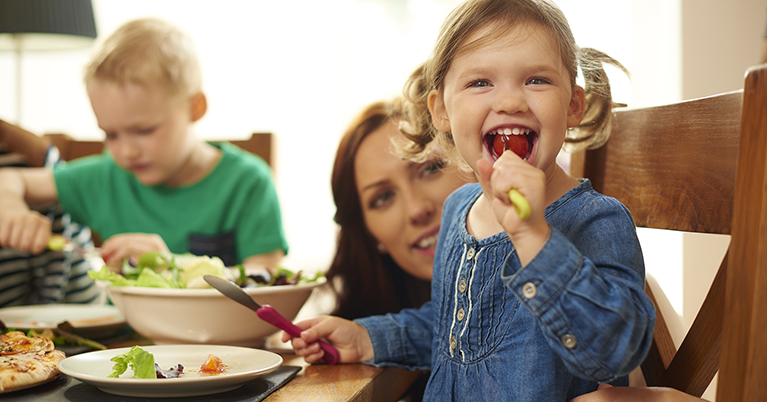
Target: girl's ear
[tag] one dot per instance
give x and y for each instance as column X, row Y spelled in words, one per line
column 438, row 112
column 199, row 106
column 577, row 107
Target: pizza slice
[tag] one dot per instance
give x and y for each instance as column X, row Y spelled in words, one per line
column 25, row 361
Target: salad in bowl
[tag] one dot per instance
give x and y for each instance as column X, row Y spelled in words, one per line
column 165, row 298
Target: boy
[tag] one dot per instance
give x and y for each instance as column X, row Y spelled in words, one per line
column 158, row 188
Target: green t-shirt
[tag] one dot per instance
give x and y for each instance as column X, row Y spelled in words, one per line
column 232, row 213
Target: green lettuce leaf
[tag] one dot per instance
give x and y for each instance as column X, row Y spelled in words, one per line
column 139, row 360
column 148, row 278
column 115, row 279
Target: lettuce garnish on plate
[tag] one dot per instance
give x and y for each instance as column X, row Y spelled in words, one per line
column 139, row 360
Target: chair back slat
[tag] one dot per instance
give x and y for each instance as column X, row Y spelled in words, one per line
column 743, row 367
column 701, row 166
column 673, row 166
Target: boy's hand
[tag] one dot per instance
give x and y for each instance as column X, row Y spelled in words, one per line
column 511, row 172
column 349, row 338
column 25, row 230
column 131, row 245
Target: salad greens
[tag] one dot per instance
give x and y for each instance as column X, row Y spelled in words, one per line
column 186, row 271
column 139, row 360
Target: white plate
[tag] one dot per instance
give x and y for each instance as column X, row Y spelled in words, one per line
column 81, row 316
column 243, row 365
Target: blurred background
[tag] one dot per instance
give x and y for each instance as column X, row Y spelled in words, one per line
column 302, row 69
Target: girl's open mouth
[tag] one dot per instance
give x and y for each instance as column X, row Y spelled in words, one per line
column 518, row 140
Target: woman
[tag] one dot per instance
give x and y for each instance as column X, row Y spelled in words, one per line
column 388, row 211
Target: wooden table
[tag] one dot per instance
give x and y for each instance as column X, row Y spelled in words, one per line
column 343, row 382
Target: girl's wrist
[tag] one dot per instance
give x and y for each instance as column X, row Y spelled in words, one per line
column 529, row 243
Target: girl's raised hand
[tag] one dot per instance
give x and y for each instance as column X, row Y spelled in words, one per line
column 511, row 172
column 349, row 338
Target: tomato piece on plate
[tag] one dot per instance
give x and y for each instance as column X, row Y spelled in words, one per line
column 213, row 365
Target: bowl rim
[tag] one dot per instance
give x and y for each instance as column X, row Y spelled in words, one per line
column 207, row 292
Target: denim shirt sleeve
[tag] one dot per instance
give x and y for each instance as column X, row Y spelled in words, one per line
column 405, row 337
column 590, row 298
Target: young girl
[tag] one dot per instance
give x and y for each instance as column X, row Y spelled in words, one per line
column 536, row 309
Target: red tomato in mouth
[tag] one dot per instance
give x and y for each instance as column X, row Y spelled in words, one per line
column 515, row 143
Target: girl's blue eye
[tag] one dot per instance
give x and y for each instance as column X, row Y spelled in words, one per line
column 537, row 81
column 479, row 83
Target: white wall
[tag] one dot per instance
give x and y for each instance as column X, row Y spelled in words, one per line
column 299, row 69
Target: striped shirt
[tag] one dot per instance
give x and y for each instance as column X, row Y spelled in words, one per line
column 52, row 276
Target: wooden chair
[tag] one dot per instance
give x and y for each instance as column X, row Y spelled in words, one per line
column 258, row 143
column 701, row 166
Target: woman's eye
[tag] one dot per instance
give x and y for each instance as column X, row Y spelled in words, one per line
column 381, row 200
column 432, row 168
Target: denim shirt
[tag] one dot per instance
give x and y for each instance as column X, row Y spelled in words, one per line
column 575, row 316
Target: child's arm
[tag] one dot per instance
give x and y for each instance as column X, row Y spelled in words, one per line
column 351, row 339
column 20, row 227
column 33, row 148
column 256, row 263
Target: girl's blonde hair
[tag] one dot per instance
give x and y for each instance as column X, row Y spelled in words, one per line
column 148, row 52
column 472, row 15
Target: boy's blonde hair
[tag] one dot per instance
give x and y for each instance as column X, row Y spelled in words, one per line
column 472, row 15
column 148, row 52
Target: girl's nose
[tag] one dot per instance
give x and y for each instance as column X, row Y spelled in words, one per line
column 509, row 101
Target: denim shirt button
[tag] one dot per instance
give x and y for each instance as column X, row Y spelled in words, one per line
column 569, row 341
column 529, row 290
column 470, row 254
column 453, row 342
column 460, row 315
column 462, row 286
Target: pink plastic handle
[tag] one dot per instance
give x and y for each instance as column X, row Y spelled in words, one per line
column 270, row 315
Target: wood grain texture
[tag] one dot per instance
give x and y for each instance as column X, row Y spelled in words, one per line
column 344, row 382
column 743, row 369
column 701, row 166
column 673, row 166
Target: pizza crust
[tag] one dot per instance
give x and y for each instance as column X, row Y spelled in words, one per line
column 26, row 361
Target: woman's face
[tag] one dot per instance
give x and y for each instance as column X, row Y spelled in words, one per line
column 402, row 201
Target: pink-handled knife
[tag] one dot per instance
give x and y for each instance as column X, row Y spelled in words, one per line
column 266, row 313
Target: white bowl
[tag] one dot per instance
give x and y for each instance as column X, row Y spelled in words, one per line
column 205, row 316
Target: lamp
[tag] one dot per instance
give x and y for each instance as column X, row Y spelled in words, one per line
column 41, row 25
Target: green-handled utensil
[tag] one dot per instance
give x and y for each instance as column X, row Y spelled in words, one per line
column 520, row 203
